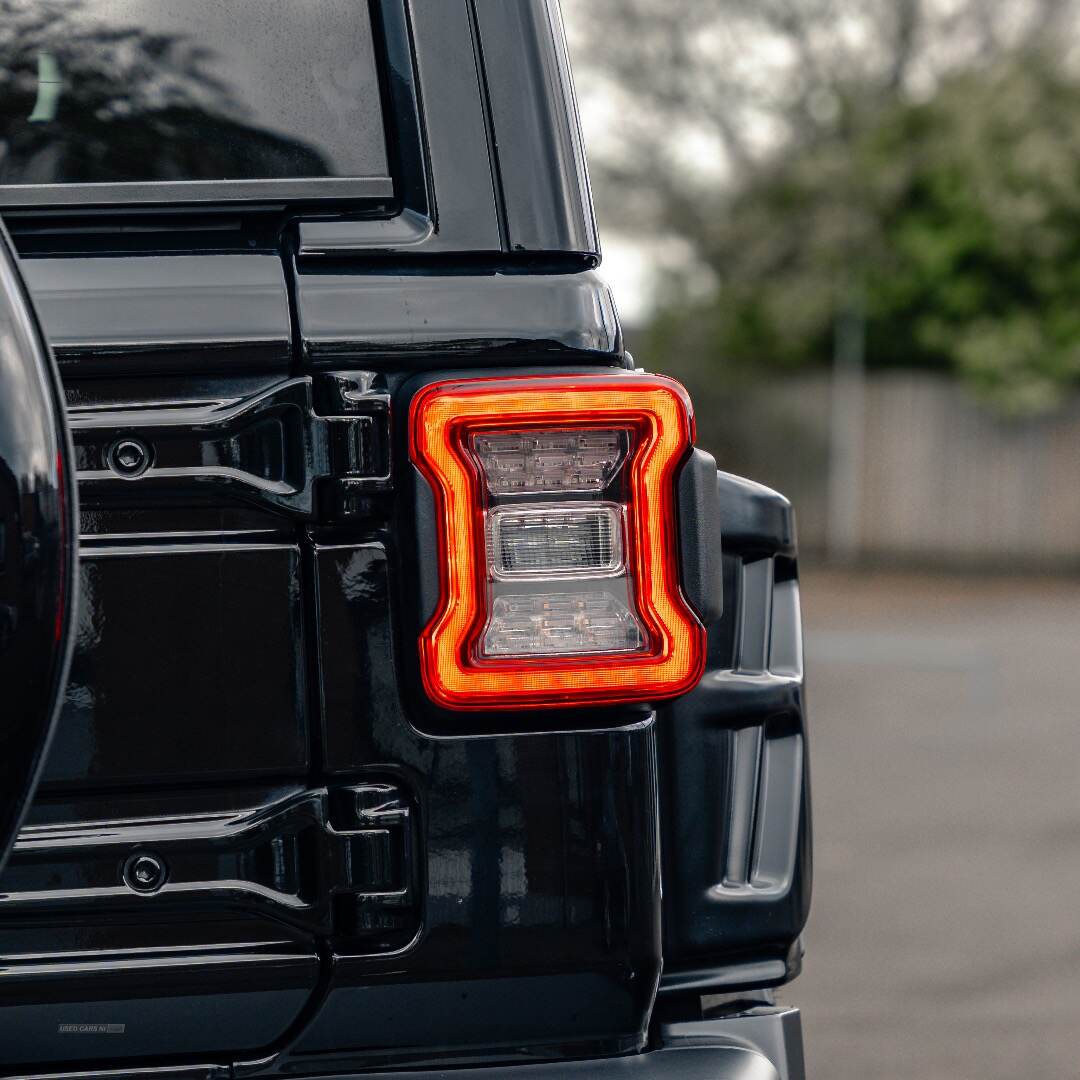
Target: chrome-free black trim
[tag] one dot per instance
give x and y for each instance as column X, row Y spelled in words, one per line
column 195, row 192
column 735, row 804
column 699, row 536
column 541, row 157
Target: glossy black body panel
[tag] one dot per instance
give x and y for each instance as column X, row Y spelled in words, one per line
column 37, row 546
column 437, row 320
column 144, row 996
column 536, row 907
column 154, row 692
column 164, row 314
column 221, row 953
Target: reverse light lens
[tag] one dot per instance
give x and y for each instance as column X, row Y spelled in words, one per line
column 558, row 556
column 540, row 542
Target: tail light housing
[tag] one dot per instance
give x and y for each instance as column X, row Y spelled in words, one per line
column 557, row 542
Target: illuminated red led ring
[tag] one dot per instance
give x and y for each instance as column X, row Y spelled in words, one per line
column 441, row 418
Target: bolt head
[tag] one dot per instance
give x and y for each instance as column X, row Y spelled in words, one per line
column 145, row 872
column 129, row 457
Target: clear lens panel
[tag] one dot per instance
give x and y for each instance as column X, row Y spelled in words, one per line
column 550, row 461
column 538, row 541
column 538, row 547
column 560, row 624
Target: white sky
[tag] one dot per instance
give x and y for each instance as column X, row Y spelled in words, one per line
column 628, row 270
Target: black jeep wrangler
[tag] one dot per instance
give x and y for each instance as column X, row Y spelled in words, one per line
column 388, row 684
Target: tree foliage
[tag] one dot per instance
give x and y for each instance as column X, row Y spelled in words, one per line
column 927, row 181
column 953, row 226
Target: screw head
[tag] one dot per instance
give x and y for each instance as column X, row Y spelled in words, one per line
column 145, row 872
column 128, row 457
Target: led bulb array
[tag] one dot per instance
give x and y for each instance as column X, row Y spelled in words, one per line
column 549, row 461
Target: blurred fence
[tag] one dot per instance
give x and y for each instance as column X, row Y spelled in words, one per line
column 937, row 477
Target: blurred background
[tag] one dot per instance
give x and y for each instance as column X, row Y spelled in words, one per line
column 852, row 228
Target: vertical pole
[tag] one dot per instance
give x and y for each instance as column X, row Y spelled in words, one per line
column 846, row 432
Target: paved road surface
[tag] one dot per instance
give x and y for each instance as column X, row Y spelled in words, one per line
column 944, row 942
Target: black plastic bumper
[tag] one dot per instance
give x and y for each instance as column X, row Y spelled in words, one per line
column 675, row 1063
column 761, row 1044
column 734, row 780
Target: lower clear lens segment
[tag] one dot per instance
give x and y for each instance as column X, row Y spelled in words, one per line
column 555, row 541
column 560, row 624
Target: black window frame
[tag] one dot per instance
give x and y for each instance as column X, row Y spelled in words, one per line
column 181, row 193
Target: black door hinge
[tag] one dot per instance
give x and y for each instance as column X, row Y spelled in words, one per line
column 309, row 447
column 340, row 862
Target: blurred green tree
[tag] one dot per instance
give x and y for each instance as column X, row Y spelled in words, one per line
column 920, row 175
column 953, row 226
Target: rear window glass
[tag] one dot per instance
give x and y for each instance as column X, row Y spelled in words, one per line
column 152, row 91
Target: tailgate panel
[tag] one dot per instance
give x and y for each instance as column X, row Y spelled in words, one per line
column 144, row 987
column 540, row 865
column 188, row 665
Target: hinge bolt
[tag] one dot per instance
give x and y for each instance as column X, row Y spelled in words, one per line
column 145, row 873
column 128, row 458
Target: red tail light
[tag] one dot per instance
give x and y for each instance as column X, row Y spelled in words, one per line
column 558, row 554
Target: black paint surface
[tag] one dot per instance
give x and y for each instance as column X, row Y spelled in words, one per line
column 37, row 546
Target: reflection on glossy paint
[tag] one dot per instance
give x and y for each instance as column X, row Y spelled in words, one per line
column 36, row 546
column 540, row 865
column 164, row 631
column 121, row 91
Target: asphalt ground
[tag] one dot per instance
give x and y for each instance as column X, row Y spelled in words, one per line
column 944, row 940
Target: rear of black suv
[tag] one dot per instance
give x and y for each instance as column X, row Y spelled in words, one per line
column 435, row 704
